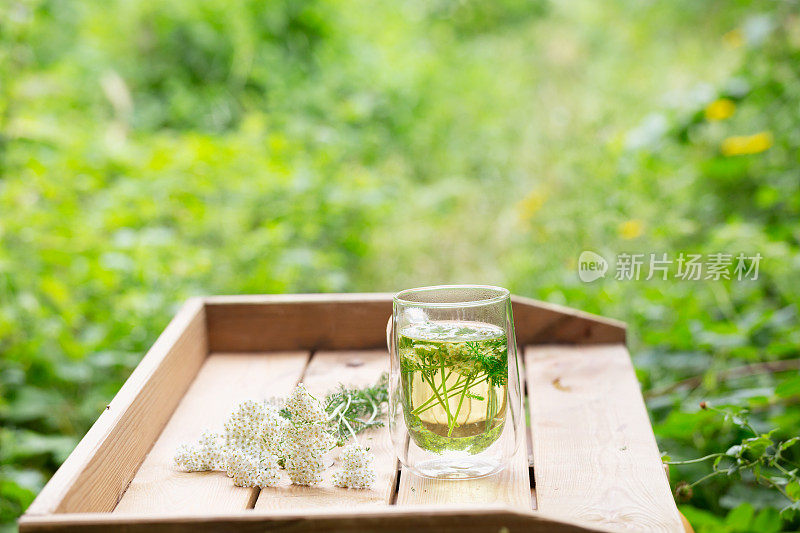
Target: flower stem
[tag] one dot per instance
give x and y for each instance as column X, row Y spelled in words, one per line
column 447, row 397
column 707, row 476
column 424, row 406
column 443, row 403
column 698, row 460
column 458, row 409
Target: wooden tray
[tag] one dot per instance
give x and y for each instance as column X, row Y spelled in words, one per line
column 591, row 449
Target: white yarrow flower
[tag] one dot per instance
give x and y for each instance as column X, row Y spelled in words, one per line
column 256, row 436
column 250, row 471
column 186, row 458
column 305, row 467
column 256, row 428
column 357, row 470
column 305, row 407
column 206, row 455
column 307, row 438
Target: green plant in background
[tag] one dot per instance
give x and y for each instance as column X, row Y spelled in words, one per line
column 150, row 152
column 758, row 457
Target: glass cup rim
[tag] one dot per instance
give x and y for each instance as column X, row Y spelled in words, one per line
column 502, row 294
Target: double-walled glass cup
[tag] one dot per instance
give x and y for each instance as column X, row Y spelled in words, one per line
column 455, row 404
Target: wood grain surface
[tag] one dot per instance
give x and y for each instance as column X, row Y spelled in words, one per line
column 224, row 381
column 325, row 371
column 356, row 321
column 510, row 487
column 596, row 459
column 451, row 519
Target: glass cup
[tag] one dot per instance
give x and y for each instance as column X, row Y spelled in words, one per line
column 455, row 402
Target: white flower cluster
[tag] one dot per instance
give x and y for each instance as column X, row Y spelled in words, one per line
column 206, row 455
column 256, row 428
column 249, row 451
column 249, row 471
column 357, row 471
column 307, row 438
column 257, row 437
column 304, row 407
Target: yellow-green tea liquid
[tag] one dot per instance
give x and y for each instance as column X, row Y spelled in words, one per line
column 454, row 378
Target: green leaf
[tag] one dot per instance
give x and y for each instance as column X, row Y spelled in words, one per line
column 793, row 490
column 791, row 511
column 756, row 447
column 701, row 519
column 739, row 518
column 788, row 388
column 785, row 445
column 740, row 420
column 21, row 446
column 767, row 520
column 13, row 499
column 734, row 451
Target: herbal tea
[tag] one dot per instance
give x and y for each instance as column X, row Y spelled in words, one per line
column 454, row 377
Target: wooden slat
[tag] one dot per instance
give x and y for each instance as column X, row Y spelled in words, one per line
column 537, row 322
column 510, row 487
column 325, row 371
column 224, row 381
column 95, row 475
column 451, row 519
column 596, row 459
column 297, row 321
column 355, row 321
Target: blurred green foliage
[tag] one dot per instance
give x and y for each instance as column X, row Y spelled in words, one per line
column 151, row 151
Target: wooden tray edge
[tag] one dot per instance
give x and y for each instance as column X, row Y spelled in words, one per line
column 356, row 321
column 58, row 495
column 386, row 520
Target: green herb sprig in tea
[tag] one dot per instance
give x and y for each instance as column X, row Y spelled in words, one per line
column 454, row 376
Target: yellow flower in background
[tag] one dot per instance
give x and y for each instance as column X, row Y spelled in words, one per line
column 529, row 205
column 747, row 144
column 631, row 229
column 733, row 39
column 720, row 109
